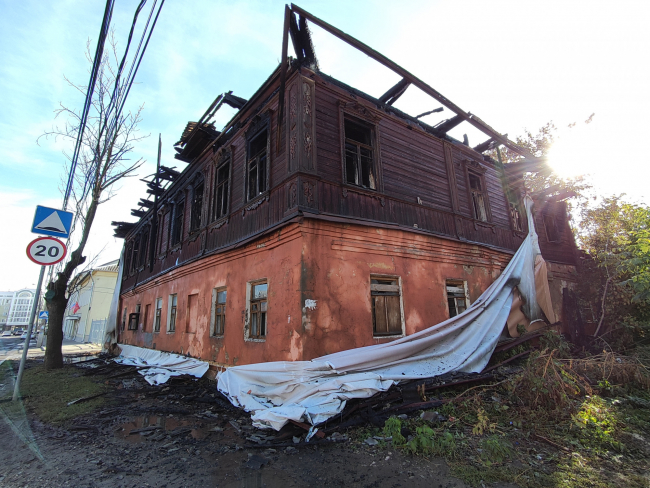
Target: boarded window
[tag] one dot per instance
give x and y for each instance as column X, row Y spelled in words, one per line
column 359, row 163
column 258, row 307
column 386, row 306
column 456, row 297
column 257, row 164
column 221, row 184
column 177, row 222
column 219, row 296
column 156, row 320
column 197, row 207
column 478, row 197
column 171, row 326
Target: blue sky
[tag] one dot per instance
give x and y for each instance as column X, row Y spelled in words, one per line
column 515, row 64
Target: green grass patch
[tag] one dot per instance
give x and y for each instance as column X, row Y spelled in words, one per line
column 47, row 393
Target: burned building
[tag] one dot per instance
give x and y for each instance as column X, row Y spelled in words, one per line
column 322, row 219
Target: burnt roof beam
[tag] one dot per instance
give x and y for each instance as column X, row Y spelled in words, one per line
column 391, row 96
column 449, row 124
column 486, row 145
column 301, row 40
column 380, row 58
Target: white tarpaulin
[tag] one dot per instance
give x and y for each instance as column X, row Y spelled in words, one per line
column 159, row 366
column 317, row 390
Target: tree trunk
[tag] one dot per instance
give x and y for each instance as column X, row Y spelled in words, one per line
column 56, row 308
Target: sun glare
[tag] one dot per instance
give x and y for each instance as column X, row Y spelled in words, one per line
column 573, row 152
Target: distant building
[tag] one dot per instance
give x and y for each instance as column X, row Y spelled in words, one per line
column 90, row 299
column 15, row 307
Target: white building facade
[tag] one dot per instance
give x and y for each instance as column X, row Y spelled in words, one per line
column 16, row 307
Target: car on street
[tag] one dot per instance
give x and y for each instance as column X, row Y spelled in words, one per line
column 6, row 333
column 18, row 331
column 24, row 336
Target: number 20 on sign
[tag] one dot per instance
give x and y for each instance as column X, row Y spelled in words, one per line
column 46, row 251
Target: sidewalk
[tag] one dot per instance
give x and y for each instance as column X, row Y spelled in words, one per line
column 69, row 348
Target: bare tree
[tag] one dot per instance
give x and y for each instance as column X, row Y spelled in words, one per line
column 103, row 160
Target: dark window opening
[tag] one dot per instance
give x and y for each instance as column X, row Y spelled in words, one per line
column 123, row 325
column 197, row 207
column 220, row 296
column 222, row 179
column 144, row 245
column 258, row 307
column 550, row 224
column 147, row 309
column 478, row 197
column 456, row 298
column 135, row 257
column 177, row 222
column 386, row 306
column 257, row 165
column 359, row 165
column 127, row 258
column 156, row 320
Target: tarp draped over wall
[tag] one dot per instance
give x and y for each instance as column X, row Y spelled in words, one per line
column 317, row 390
column 110, row 332
column 158, row 366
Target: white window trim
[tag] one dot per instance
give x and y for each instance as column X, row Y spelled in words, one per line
column 401, row 305
column 247, row 317
column 465, row 287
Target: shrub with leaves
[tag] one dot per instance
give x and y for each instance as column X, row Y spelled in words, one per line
column 393, row 428
column 495, row 449
column 597, row 424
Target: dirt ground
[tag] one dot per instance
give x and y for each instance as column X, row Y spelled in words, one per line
column 183, row 435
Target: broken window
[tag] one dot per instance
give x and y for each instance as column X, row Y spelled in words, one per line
column 550, row 224
column 258, row 306
column 177, row 222
column 134, row 317
column 127, row 258
column 219, row 296
column 478, row 197
column 386, row 306
column 197, row 207
column 221, row 182
column 156, row 320
column 457, row 298
column 515, row 217
column 144, row 244
column 359, row 163
column 257, row 164
column 171, row 325
column 135, row 256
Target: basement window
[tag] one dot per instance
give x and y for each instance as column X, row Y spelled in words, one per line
column 197, row 207
column 156, row 320
column 385, row 294
column 457, row 297
column 257, row 174
column 173, row 302
column 477, row 192
column 257, row 310
column 359, row 162
column 219, row 296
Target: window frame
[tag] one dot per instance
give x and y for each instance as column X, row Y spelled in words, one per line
column 124, row 315
column 223, row 160
column 250, row 301
column 216, row 313
column 196, row 209
column 374, row 148
column 134, row 318
column 147, row 310
column 456, row 283
column 157, row 317
column 262, row 124
column 172, row 315
column 396, row 293
column 474, row 169
column 550, row 216
column 177, row 210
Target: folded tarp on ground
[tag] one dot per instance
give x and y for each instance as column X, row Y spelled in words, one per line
column 159, row 366
column 317, row 390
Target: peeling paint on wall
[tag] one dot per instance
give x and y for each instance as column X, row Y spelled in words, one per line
column 309, row 305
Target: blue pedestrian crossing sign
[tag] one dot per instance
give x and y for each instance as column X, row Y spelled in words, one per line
column 43, row 315
column 52, row 222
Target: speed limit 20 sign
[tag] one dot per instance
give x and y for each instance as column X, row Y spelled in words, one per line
column 46, row 251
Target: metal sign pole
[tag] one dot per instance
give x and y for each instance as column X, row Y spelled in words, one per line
column 29, row 333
